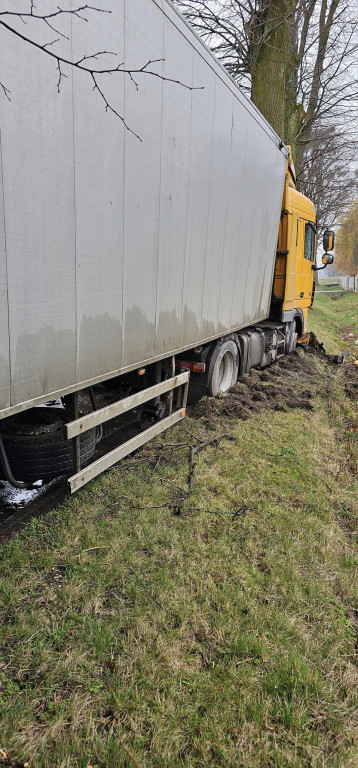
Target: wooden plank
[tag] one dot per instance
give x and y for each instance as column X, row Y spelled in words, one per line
column 94, row 469
column 91, row 420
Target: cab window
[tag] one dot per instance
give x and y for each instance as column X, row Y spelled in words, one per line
column 310, row 241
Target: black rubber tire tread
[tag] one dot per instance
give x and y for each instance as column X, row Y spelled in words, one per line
column 45, row 457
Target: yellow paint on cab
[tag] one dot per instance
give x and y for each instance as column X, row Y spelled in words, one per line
column 294, row 276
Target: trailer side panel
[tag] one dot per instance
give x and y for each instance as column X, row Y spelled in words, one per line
column 122, row 250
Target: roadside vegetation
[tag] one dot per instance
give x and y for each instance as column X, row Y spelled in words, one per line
column 197, row 605
column 334, row 319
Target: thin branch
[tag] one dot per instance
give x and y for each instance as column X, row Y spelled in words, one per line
column 59, row 12
column 195, row 450
column 60, row 75
column 110, row 108
column 51, row 43
column 80, row 64
column 5, row 91
column 95, row 56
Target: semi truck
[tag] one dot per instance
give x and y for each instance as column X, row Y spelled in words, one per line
column 150, row 231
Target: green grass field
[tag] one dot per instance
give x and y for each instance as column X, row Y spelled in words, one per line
column 145, row 624
column 333, row 318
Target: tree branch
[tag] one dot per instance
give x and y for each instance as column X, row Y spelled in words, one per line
column 81, row 64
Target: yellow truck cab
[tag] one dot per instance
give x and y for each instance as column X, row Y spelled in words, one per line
column 293, row 288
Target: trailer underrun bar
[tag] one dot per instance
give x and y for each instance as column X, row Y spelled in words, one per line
column 78, row 426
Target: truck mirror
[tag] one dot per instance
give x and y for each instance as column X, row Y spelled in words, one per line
column 328, row 240
column 328, row 258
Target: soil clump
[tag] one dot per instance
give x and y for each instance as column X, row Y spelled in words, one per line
column 290, row 383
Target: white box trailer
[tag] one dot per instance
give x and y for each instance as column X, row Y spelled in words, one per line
column 118, row 251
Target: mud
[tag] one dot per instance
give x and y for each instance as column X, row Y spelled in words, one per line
column 317, row 348
column 292, row 382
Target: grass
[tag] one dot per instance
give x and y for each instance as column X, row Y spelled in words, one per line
column 334, row 319
column 143, row 625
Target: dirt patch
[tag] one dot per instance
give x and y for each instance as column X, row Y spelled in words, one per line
column 289, row 383
column 316, row 347
column 348, row 333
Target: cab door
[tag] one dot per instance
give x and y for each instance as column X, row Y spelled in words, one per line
column 309, row 258
column 306, row 250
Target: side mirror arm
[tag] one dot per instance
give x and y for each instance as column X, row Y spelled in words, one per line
column 317, row 269
column 327, row 258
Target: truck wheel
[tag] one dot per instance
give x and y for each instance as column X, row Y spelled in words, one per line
column 37, row 449
column 291, row 337
column 224, row 368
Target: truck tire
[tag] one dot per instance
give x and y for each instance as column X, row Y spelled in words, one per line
column 43, row 455
column 224, row 368
column 291, row 337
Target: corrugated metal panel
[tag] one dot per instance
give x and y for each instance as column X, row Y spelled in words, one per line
column 99, row 201
column 174, row 191
column 121, row 251
column 201, row 151
column 143, row 111
column 4, row 308
column 38, row 174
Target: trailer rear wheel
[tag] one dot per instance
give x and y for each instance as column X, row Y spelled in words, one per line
column 38, row 450
column 224, row 368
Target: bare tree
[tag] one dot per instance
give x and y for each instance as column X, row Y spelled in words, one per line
column 297, row 59
column 347, row 241
column 327, row 174
column 21, row 24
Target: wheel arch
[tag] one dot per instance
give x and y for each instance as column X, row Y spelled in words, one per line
column 299, row 324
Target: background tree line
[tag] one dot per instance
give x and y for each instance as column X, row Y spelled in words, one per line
column 347, row 241
column 297, row 60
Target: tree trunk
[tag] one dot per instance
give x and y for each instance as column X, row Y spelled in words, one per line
column 273, row 68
